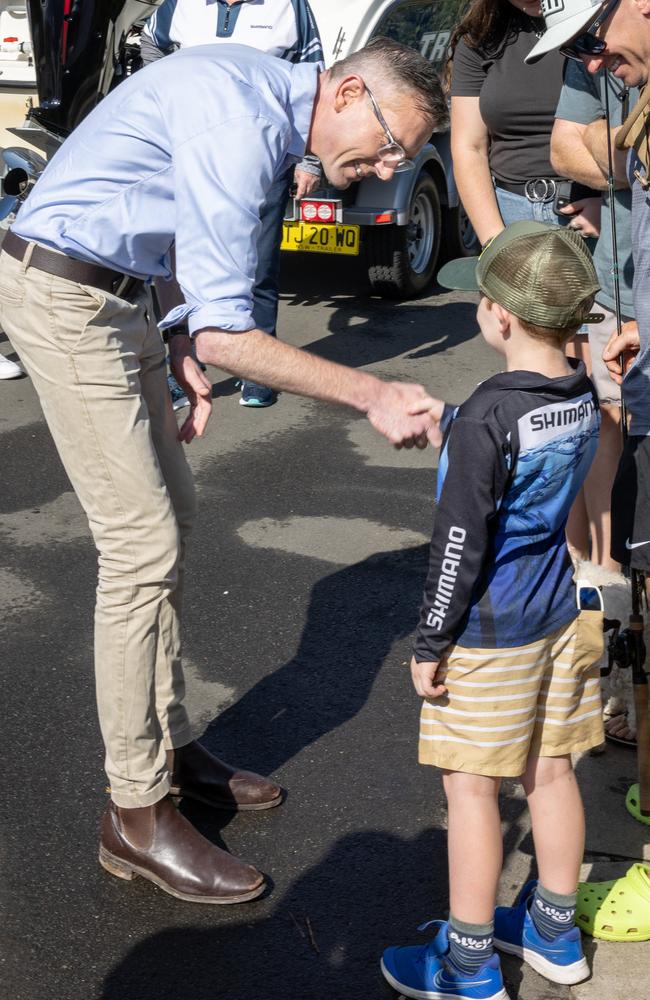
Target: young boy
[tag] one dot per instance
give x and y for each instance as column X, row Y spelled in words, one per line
column 502, row 657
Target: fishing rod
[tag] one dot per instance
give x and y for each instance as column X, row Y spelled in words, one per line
column 626, row 646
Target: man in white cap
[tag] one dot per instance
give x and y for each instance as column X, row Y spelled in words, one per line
column 615, row 35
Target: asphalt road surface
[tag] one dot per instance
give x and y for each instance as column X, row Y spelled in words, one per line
column 304, row 582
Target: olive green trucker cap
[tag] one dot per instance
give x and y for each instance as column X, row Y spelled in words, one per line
column 542, row 273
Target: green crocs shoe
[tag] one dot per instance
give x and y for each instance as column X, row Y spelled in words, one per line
column 633, row 805
column 618, row 910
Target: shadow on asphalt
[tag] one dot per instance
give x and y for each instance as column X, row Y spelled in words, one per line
column 354, row 617
column 322, row 941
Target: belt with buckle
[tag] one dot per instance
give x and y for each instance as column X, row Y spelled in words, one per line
column 539, row 189
column 63, row 266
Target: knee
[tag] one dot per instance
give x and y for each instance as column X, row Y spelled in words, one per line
column 460, row 785
column 543, row 771
column 138, row 556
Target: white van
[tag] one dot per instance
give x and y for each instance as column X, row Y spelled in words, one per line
column 401, row 229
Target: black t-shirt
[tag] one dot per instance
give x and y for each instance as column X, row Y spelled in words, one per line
column 517, row 102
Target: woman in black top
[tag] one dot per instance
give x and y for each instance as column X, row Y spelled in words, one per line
column 502, row 114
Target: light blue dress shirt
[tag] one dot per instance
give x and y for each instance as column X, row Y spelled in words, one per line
column 183, row 151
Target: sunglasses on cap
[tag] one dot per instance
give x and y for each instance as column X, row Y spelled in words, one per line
column 586, row 44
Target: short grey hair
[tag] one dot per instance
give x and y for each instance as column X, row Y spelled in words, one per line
column 391, row 65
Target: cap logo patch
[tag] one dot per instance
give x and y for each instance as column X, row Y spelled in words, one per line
column 552, row 7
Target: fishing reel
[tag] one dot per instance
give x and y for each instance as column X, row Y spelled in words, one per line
column 626, row 648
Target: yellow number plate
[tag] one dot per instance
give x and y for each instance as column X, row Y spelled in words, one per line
column 316, row 238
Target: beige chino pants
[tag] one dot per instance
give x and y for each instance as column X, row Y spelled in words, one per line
column 98, row 365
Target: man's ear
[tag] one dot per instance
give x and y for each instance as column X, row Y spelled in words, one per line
column 349, row 90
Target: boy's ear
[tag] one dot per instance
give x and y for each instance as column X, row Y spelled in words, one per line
column 503, row 316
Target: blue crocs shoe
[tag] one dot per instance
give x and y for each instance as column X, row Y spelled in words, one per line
column 257, row 395
column 424, row 972
column 561, row 959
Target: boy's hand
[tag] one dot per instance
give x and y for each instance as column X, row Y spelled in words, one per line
column 428, row 678
column 434, row 433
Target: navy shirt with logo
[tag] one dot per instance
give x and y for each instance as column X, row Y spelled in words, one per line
column 514, row 458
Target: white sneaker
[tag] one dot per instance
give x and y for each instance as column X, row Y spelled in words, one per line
column 9, row 369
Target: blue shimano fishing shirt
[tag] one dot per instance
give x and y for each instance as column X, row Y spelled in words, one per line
column 183, row 151
column 515, row 456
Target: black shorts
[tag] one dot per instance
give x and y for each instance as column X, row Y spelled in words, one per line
column 631, row 506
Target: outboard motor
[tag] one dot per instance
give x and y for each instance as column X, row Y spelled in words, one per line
column 20, row 168
column 80, row 51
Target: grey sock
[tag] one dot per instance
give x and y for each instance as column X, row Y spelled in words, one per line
column 470, row 945
column 551, row 912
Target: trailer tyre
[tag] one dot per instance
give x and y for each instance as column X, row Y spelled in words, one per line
column 402, row 259
column 458, row 236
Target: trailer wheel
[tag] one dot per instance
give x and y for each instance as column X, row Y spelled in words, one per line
column 458, row 236
column 402, row 259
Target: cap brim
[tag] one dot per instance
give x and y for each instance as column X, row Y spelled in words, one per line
column 460, row 273
column 562, row 33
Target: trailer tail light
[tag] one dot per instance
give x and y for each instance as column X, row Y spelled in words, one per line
column 328, row 211
column 384, row 218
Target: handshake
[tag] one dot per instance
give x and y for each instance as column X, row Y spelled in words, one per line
column 405, row 414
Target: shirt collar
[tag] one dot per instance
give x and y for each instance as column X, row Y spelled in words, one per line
column 304, row 81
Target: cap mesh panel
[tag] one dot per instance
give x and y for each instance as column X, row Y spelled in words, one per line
column 546, row 279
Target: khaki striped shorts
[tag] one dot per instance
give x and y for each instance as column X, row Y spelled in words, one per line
column 503, row 706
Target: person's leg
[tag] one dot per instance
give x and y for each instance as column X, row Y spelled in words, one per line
column 194, row 771
column 568, row 718
column 267, row 280
column 461, row 957
column 474, row 861
column 558, row 822
column 599, row 481
column 84, row 351
column 540, row 927
column 598, row 486
column 475, row 864
column 577, row 529
column 169, row 679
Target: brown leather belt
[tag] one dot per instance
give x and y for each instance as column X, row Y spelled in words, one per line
column 74, row 270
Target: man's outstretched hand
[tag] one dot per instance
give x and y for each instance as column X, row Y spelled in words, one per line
column 197, row 387
column 406, row 415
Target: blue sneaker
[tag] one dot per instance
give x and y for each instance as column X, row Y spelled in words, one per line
column 257, row 395
column 561, row 959
column 424, row 972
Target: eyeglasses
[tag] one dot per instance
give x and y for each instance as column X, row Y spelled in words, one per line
column 393, row 154
column 587, row 44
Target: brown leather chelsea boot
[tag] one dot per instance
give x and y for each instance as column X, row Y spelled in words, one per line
column 197, row 774
column 159, row 844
